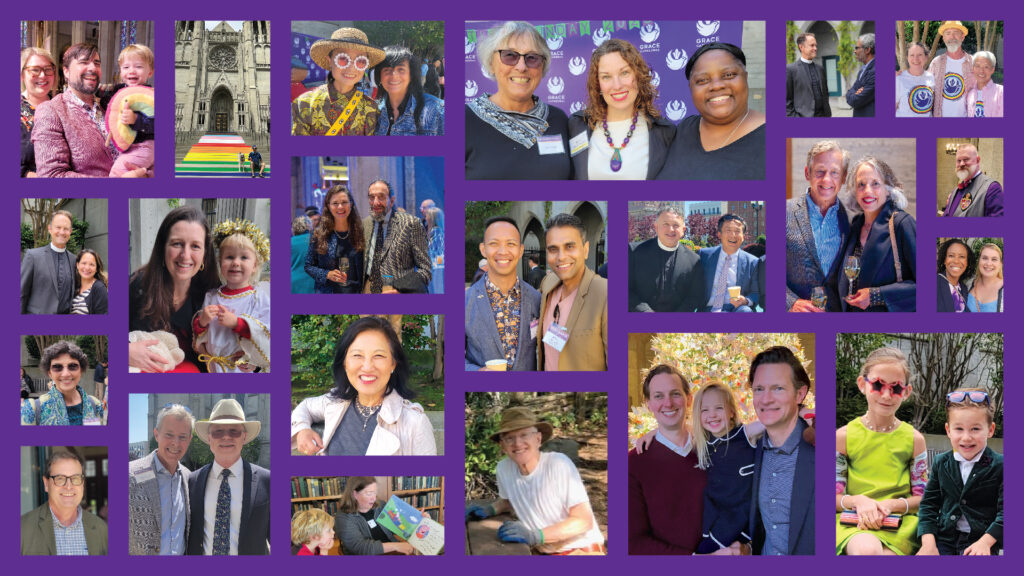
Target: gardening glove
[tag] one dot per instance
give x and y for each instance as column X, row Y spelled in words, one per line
column 479, row 512
column 517, row 532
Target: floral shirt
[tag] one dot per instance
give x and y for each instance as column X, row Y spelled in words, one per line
column 506, row 308
column 314, row 112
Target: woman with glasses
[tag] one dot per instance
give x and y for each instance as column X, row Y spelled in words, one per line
column 512, row 134
column 338, row 107
column 66, row 404
column 881, row 465
column 405, row 109
column 38, row 78
column 334, row 259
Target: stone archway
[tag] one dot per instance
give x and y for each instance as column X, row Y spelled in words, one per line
column 593, row 222
column 221, row 111
column 533, row 245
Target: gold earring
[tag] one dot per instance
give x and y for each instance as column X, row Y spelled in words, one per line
column 202, row 266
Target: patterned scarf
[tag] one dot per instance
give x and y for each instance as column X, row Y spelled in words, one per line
column 523, row 128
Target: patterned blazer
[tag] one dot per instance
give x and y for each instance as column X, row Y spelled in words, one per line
column 68, row 144
column 405, row 252
column 144, row 520
column 482, row 340
column 803, row 271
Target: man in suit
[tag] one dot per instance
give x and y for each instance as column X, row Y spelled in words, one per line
column 48, row 272
column 536, row 273
column 230, row 498
column 816, row 228
column 81, row 532
column 665, row 276
column 396, row 253
column 158, row 500
column 861, row 96
column 574, row 303
column 976, row 194
column 806, row 85
column 725, row 266
column 424, row 206
column 502, row 311
column 782, row 507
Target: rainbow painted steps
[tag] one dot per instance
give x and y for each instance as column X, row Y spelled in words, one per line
column 216, row 156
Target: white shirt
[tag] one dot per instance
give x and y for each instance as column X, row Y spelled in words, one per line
column 730, row 279
column 635, row 155
column 954, row 108
column 683, row 451
column 667, row 248
column 906, row 82
column 962, row 525
column 210, row 505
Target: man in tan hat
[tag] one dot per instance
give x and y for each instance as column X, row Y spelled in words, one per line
column 338, row 108
column 231, row 513
column 544, row 489
column 953, row 72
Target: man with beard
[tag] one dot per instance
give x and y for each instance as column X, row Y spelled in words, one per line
column 977, row 194
column 861, row 96
column 730, row 274
column 70, row 134
column 396, row 258
column 665, row 276
column 953, row 72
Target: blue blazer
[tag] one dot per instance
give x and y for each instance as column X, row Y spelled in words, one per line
column 746, row 276
column 254, row 527
column 801, row 506
column 877, row 267
column 944, row 299
column 863, row 104
column 482, row 342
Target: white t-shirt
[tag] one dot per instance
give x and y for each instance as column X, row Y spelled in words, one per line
column 635, row 155
column 543, row 498
column 915, row 95
column 954, row 90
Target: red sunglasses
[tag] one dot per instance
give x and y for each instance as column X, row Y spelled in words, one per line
column 896, row 388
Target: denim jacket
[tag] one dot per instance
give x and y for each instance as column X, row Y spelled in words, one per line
column 431, row 120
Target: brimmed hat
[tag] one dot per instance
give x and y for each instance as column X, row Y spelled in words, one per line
column 228, row 411
column 519, row 418
column 955, row 25
column 345, row 39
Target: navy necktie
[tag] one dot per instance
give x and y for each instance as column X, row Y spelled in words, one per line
column 222, row 523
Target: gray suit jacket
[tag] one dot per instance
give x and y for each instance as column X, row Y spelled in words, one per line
column 144, row 513
column 354, row 533
column 37, row 538
column 482, row 341
column 405, row 252
column 39, row 281
column 803, row 270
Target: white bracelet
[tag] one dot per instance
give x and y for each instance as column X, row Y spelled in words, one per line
column 907, row 504
column 842, row 502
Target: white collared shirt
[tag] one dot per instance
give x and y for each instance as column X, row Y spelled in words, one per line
column 58, row 250
column 683, row 451
column 730, row 278
column 210, row 505
column 962, row 525
column 667, row 248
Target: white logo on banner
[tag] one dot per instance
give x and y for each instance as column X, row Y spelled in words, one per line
column 675, row 110
column 575, row 107
column 577, row 66
column 470, row 88
column 601, row 36
column 707, row 27
column 656, row 79
column 556, row 85
column 650, row 32
column 470, row 45
column 555, row 42
column 676, row 59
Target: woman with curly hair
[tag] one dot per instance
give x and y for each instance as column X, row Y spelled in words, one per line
column 335, row 256
column 626, row 137
column 956, row 267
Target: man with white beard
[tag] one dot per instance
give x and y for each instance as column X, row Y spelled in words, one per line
column 953, row 72
column 977, row 194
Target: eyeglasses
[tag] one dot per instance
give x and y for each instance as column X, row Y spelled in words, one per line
column 896, row 388
column 61, row 480
column 976, row 396
column 343, row 61
column 221, row 432
column 511, row 58
column 72, row 367
column 36, row 71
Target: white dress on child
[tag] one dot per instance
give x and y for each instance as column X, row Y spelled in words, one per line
column 251, row 305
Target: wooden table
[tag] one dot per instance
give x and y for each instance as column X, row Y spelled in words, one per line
column 482, row 536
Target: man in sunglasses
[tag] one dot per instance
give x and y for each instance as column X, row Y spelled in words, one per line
column 158, row 502
column 230, row 498
column 60, row 527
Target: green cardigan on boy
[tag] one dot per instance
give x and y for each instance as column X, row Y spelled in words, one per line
column 947, row 498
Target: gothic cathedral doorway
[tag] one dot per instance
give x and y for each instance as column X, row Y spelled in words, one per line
column 221, row 106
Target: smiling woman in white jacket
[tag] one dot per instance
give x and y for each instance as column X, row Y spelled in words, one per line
column 369, row 409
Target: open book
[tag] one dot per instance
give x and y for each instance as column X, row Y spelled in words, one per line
column 410, row 524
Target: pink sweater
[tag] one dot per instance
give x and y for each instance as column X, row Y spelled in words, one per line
column 67, row 142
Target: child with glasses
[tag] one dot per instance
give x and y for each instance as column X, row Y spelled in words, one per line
column 881, row 465
column 962, row 509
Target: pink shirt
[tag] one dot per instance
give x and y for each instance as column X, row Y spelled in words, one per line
column 991, row 95
column 564, row 304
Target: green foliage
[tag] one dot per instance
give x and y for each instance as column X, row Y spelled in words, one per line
column 761, row 239
column 423, row 37
column 28, row 240
column 477, row 213
column 86, row 343
column 174, row 202
column 847, row 63
column 79, row 228
column 791, row 33
column 199, row 453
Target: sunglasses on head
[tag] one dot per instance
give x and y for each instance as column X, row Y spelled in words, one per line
column 511, row 58
column 222, row 432
column 895, row 389
column 976, row 396
column 343, row 61
column 71, row 366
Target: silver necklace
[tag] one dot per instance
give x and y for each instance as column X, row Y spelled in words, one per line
column 367, row 412
column 729, row 137
column 883, row 429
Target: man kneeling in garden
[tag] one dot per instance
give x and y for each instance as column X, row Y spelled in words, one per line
column 544, row 490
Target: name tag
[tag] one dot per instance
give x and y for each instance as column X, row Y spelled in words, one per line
column 556, row 337
column 579, row 143
column 550, row 145
column 145, row 476
column 533, row 328
column 94, row 421
column 371, row 523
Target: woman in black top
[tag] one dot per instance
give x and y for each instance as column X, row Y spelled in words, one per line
column 335, row 256
column 90, row 283
column 360, row 534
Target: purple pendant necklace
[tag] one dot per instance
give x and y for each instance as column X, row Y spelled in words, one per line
column 616, row 163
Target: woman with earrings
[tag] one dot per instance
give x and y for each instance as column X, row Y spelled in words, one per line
column 338, row 108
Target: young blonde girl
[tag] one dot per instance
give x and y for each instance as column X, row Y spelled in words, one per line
column 232, row 330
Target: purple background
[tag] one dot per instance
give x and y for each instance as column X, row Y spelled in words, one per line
column 451, row 146
column 666, row 45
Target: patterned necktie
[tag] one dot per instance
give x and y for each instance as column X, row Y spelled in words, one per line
column 720, row 283
column 222, row 524
column 958, row 299
column 376, row 282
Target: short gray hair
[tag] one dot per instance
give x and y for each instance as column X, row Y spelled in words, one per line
column 497, row 37
column 867, row 41
column 176, row 411
column 823, row 146
column 892, row 184
column 987, row 56
column 669, row 209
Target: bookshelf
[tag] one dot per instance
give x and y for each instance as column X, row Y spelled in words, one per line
column 423, row 492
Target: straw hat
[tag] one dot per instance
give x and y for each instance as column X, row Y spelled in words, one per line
column 228, row 411
column 952, row 24
column 344, row 39
column 519, row 418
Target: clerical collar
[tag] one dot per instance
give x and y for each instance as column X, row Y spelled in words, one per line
column 667, row 248
column 806, row 61
column 58, row 250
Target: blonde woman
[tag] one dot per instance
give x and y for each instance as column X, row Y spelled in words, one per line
column 986, row 294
